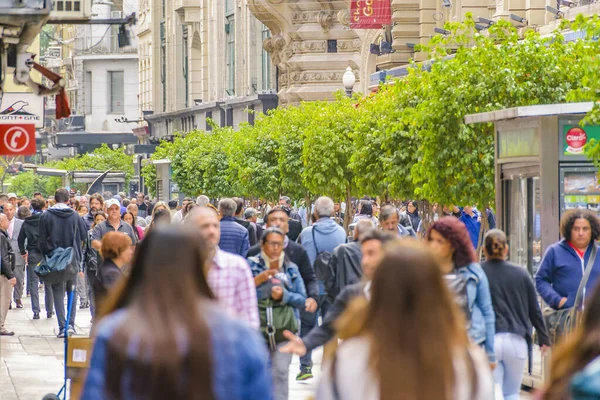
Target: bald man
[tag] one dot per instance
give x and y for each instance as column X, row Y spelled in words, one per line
column 229, row 275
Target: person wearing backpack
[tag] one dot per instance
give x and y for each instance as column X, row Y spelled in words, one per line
column 280, row 292
column 319, row 241
column 449, row 239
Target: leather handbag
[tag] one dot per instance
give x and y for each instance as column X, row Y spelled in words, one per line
column 561, row 322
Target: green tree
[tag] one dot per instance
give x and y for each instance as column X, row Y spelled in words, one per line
column 27, row 183
column 148, row 172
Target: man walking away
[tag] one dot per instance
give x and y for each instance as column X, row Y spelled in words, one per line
column 29, row 248
column 7, row 278
column 344, row 265
column 234, row 237
column 62, row 227
column 239, row 213
column 251, row 215
column 318, row 240
column 14, row 227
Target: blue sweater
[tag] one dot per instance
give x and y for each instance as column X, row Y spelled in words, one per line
column 240, row 361
column 473, row 225
column 234, row 237
column 561, row 272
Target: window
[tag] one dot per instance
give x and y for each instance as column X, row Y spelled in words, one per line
column 88, row 93
column 186, row 80
column 266, row 61
column 116, row 86
column 229, row 7
column 230, row 30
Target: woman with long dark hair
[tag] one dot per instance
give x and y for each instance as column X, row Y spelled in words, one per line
column 449, row 240
column 130, row 219
column 575, row 361
column 164, row 336
column 408, row 341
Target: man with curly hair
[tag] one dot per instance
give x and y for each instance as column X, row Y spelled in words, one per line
column 565, row 262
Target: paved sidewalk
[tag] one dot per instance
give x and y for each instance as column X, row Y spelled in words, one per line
column 32, row 361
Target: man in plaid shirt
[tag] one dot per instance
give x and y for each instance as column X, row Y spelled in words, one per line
column 229, row 275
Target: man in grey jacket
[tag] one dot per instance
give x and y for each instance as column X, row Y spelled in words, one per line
column 14, row 228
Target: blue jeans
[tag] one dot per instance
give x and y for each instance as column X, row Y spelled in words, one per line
column 511, row 357
column 308, row 321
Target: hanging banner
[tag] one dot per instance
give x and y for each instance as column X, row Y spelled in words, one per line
column 370, row 14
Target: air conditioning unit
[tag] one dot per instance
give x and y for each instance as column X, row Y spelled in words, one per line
column 65, row 10
column 116, row 14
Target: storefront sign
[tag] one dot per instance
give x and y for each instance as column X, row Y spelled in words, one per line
column 370, row 14
column 22, row 108
column 576, row 137
column 17, row 140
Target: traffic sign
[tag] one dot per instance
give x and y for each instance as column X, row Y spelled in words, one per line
column 17, row 139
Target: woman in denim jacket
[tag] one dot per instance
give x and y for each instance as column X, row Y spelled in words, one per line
column 278, row 279
column 449, row 239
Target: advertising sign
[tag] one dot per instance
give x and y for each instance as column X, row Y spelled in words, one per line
column 576, row 137
column 370, row 14
column 17, row 140
column 22, row 108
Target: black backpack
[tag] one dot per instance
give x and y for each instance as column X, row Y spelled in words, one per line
column 321, row 265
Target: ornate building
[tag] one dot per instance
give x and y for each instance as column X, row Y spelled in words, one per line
column 312, row 44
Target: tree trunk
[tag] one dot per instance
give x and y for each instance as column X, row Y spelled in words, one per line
column 482, row 230
column 308, row 209
column 349, row 209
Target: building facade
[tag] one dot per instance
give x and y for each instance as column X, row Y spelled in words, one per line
column 312, row 44
column 201, row 60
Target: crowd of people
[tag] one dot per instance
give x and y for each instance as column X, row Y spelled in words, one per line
column 209, row 299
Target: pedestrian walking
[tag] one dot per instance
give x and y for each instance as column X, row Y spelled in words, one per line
column 117, row 251
column 277, row 218
column 575, row 372
column 239, row 213
column 449, row 240
column 29, row 249
column 281, row 293
column 164, row 323
column 372, row 244
column 389, row 220
column 345, row 264
column 251, row 215
column 129, row 218
column 91, row 260
column 565, row 262
column 14, row 228
column 7, row 275
column 408, row 341
column 159, row 217
column 96, row 204
column 412, row 209
column 234, row 237
column 365, row 211
column 472, row 220
column 516, row 310
column 228, row 274
column 113, row 223
column 60, row 226
column 319, row 240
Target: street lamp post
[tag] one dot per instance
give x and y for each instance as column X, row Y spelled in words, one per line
column 349, row 80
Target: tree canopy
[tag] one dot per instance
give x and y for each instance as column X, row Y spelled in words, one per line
column 409, row 140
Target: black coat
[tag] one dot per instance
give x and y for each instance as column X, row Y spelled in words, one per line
column 30, row 232
column 62, row 227
column 7, row 256
column 295, row 229
column 345, row 268
column 108, row 274
column 252, row 237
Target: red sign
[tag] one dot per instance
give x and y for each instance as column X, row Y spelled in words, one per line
column 576, row 139
column 17, row 139
column 370, row 14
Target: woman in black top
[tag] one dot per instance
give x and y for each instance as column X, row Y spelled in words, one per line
column 117, row 251
column 517, row 310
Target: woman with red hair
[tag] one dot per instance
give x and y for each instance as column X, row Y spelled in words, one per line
column 449, row 239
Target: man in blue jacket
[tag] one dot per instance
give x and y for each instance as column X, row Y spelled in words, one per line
column 328, row 235
column 564, row 263
column 234, row 237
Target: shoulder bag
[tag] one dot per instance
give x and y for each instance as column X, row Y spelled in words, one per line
column 561, row 322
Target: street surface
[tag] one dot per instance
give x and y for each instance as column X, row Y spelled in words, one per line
column 31, row 362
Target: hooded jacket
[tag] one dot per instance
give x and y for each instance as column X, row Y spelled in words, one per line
column 345, row 268
column 61, row 227
column 561, row 272
column 30, row 232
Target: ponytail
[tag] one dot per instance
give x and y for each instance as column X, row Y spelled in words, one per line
column 495, row 243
